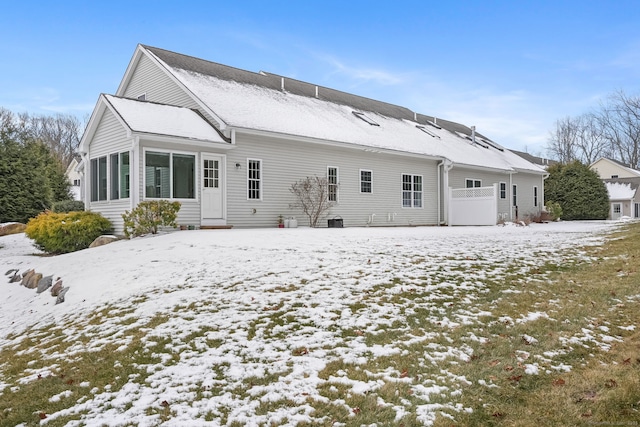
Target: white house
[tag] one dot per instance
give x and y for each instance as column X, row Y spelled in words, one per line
column 622, row 184
column 75, row 177
column 228, row 144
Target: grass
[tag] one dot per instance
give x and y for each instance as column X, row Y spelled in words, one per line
column 473, row 344
column 602, row 387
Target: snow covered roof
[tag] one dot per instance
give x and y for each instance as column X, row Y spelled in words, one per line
column 160, row 119
column 272, row 103
column 621, row 190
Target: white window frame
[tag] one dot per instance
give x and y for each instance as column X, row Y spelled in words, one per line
column 94, row 179
column 502, row 187
column 171, row 153
column 259, row 180
column 475, row 183
column 118, row 184
column 332, row 187
column 514, row 195
column 535, row 196
column 416, row 200
column 370, row 182
column 616, row 208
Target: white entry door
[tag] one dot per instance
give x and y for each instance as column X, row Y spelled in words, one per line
column 212, row 177
column 616, row 210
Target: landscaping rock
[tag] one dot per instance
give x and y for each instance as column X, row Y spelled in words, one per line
column 33, row 281
column 60, row 298
column 16, row 278
column 12, row 228
column 44, row 284
column 55, row 289
column 13, row 271
column 26, row 276
column 103, row 240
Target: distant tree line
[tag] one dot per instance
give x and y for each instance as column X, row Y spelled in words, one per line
column 34, row 154
column 612, row 130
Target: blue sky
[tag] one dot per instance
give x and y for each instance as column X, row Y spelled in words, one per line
column 511, row 68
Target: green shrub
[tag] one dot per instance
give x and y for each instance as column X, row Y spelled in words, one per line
column 578, row 190
column 554, row 209
column 149, row 215
column 59, row 233
column 67, row 206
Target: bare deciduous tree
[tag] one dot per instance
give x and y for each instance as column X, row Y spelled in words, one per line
column 562, row 141
column 620, row 120
column 312, row 197
column 61, row 133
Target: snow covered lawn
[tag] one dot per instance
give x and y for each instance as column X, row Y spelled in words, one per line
column 279, row 326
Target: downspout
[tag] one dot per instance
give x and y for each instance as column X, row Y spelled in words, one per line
column 85, row 195
column 135, row 173
column 439, row 191
column 510, row 190
column 448, row 165
column 542, row 207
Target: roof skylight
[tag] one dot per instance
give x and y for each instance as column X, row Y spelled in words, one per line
column 365, row 118
column 434, row 124
column 427, row 131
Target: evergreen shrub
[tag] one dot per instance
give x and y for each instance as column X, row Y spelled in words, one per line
column 150, row 215
column 65, row 206
column 59, row 233
column 578, row 190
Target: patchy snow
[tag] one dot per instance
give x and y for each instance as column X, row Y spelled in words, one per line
column 530, row 317
column 274, row 303
column 620, row 190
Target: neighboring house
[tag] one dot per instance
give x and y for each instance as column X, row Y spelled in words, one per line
column 74, row 176
column 624, row 198
column 613, row 169
column 228, row 144
column 622, row 184
column 543, row 162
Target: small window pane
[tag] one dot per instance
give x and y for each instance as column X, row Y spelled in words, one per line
column 365, row 181
column 102, row 178
column 254, row 179
column 115, row 187
column 332, row 182
column 125, row 179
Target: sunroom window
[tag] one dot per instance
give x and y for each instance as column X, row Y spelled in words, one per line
column 169, row 175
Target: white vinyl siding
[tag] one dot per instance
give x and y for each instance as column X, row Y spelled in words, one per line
column 285, row 162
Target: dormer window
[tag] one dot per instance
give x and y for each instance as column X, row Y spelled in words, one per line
column 427, row 131
column 365, row 118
